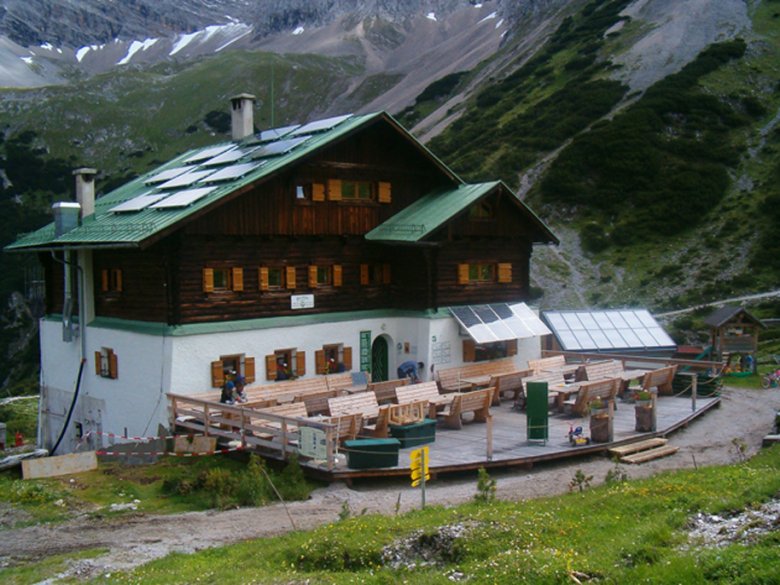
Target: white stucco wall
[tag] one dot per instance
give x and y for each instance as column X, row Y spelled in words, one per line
column 151, row 365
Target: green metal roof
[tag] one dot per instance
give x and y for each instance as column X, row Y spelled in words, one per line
column 108, row 227
column 417, row 221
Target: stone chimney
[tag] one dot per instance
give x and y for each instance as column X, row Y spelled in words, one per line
column 242, row 115
column 85, row 190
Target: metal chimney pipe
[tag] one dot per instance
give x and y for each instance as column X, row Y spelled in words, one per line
column 85, row 190
column 242, row 115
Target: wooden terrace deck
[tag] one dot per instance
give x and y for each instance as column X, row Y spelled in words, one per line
column 465, row 449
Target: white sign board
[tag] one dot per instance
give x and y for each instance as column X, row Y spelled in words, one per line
column 302, row 302
column 313, row 443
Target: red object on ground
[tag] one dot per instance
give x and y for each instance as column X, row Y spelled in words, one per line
column 18, row 439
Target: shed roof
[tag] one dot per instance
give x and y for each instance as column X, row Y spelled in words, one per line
column 723, row 315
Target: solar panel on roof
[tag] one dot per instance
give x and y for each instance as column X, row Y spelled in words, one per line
column 605, row 330
column 466, row 316
column 209, row 153
column 166, row 175
column 276, row 133
column 319, row 125
column 186, row 179
column 183, row 198
column 233, row 172
column 279, row 147
column 138, row 203
column 499, row 322
column 228, row 157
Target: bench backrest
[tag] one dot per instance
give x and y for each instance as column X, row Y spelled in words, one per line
column 316, row 402
column 605, row 389
column 292, row 409
column 471, row 401
column 605, row 369
column 549, row 363
column 363, row 403
column 416, row 392
column 385, row 391
column 660, row 378
column 552, row 378
column 509, row 382
column 449, row 378
column 348, row 426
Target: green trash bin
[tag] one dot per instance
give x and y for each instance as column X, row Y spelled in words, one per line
column 536, row 410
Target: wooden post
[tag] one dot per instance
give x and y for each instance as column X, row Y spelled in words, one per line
column 489, row 423
column 206, row 421
column 329, row 446
column 694, row 390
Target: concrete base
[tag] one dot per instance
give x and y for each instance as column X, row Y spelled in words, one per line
column 60, row 465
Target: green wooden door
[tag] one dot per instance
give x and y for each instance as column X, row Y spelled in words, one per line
column 379, row 360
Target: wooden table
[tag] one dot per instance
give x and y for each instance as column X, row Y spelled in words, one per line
column 477, row 381
column 563, row 393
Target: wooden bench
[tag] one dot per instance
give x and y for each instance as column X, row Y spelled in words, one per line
column 661, row 379
column 363, row 403
column 606, row 389
column 396, row 414
column 555, row 363
column 511, row 383
column 452, row 379
column 603, row 369
column 427, row 391
column 348, row 426
column 316, row 402
column 291, row 410
column 385, row 391
column 476, row 402
column 555, row 385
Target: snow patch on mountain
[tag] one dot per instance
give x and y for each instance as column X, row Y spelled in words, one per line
column 490, row 16
column 231, row 30
column 136, row 46
column 298, row 31
column 431, row 16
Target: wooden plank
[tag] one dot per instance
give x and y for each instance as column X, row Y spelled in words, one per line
column 638, row 446
column 650, row 454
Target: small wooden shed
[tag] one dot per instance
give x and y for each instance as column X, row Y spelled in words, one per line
column 734, row 338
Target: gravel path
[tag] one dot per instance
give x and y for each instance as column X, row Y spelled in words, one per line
column 746, row 415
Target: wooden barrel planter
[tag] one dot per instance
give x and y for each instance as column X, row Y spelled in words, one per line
column 601, row 424
column 645, row 416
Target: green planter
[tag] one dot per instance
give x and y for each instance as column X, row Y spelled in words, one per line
column 414, row 434
column 372, row 453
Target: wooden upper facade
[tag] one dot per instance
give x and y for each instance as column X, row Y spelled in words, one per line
column 300, row 230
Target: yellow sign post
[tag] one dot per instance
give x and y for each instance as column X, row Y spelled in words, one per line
column 419, row 466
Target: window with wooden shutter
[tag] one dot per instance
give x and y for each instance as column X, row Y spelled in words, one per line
column 337, row 275
column 319, row 361
column 463, row 273
column 217, row 374
column 238, row 279
column 104, row 280
column 270, row 367
column 249, row 370
column 318, row 192
column 312, row 276
column 334, row 189
column 386, row 274
column 98, row 369
column 262, row 277
column 385, row 192
column 208, row 280
column 116, row 280
column 300, row 363
column 504, row 272
column 113, row 365
column 347, row 359
column 106, row 363
column 364, row 274
column 469, row 350
column 290, row 277
column 111, row 280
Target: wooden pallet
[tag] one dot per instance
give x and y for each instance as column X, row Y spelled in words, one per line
column 650, row 454
column 638, row 446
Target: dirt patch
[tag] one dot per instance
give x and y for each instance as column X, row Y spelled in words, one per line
column 744, row 417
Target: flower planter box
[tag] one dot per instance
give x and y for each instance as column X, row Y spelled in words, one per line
column 600, row 426
column 645, row 416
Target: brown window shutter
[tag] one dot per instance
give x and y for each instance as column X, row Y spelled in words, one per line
column 97, row 363
column 262, row 277
column 334, row 189
column 318, row 192
column 249, row 369
column 385, row 192
column 364, row 274
column 319, row 361
column 337, row 275
column 118, row 274
column 347, row 358
column 386, row 274
column 270, row 367
column 290, row 277
column 312, row 276
column 505, row 272
column 469, row 350
column 511, row 347
column 238, row 279
column 463, row 273
column 217, row 374
column 113, row 365
column 208, row 281
column 300, row 363
column 104, row 280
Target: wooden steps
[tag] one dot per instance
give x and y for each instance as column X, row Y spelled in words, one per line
column 642, row 451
